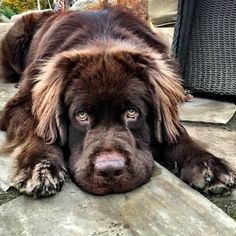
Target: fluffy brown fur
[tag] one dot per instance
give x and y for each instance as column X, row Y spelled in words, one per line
column 99, row 93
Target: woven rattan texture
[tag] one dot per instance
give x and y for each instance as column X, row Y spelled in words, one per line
column 211, row 54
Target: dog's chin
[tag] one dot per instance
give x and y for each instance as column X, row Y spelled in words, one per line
column 97, row 186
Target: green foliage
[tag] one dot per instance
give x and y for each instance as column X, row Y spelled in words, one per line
column 19, row 6
column 7, row 11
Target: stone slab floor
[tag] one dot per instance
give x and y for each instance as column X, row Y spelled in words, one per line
column 164, row 206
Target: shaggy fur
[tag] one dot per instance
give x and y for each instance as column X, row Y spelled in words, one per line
column 98, row 97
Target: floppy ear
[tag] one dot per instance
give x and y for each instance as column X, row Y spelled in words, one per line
column 163, row 82
column 47, row 102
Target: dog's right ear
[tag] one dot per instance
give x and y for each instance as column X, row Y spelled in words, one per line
column 165, row 91
column 47, row 98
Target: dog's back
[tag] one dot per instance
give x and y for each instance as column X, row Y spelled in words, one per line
column 15, row 46
column 39, row 36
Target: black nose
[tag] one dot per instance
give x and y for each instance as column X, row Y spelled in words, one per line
column 110, row 169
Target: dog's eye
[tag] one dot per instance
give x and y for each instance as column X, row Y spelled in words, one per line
column 82, row 116
column 132, row 113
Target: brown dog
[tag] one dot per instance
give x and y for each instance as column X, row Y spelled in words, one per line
column 100, row 92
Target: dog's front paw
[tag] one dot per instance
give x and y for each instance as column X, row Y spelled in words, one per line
column 209, row 174
column 44, row 179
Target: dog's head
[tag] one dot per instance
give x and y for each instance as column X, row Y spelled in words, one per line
column 109, row 107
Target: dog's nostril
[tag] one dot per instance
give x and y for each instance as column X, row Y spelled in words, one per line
column 118, row 173
column 110, row 165
column 109, row 169
column 103, row 174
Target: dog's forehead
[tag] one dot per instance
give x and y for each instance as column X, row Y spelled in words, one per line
column 108, row 66
column 113, row 89
column 105, row 77
column 107, row 89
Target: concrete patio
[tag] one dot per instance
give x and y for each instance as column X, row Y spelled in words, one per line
column 164, row 206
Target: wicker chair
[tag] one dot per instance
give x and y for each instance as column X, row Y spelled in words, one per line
column 205, row 45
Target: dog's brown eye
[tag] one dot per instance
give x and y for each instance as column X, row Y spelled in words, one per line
column 82, row 116
column 132, row 113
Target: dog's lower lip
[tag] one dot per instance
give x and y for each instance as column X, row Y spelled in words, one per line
column 106, row 191
column 111, row 184
column 105, row 187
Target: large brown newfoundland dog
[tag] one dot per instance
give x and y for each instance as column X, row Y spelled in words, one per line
column 98, row 98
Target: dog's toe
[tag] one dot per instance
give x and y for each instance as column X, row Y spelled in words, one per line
column 228, row 179
column 216, row 188
column 223, row 184
column 197, row 176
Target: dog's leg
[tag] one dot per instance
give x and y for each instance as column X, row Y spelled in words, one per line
column 39, row 168
column 198, row 167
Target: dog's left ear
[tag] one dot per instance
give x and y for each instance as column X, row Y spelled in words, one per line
column 47, row 99
column 166, row 93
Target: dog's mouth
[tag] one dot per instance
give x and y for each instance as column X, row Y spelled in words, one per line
column 115, row 182
column 112, row 171
column 100, row 186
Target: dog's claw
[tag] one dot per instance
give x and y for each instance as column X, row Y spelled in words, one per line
column 208, row 179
